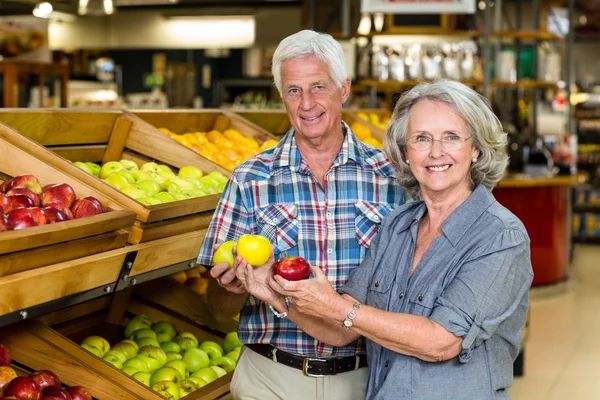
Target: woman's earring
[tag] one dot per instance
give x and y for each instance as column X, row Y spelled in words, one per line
column 408, row 162
column 474, row 159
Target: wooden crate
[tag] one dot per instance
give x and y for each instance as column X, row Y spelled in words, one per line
column 108, row 135
column 66, row 328
column 273, row 121
column 34, row 247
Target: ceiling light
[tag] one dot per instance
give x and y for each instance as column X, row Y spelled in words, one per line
column 364, row 26
column 42, row 10
column 108, row 7
column 378, row 19
column 82, row 8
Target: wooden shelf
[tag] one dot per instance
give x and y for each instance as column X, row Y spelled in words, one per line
column 526, row 35
column 399, row 85
column 525, row 84
column 426, row 32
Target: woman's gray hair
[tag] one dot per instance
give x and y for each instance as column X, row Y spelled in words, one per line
column 485, row 128
column 308, row 43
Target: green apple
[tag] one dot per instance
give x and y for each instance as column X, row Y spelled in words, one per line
column 179, row 366
column 153, row 363
column 219, row 177
column 224, row 254
column 183, row 184
column 195, row 359
column 95, row 351
column 168, row 389
column 138, row 322
column 169, row 186
column 221, row 187
column 117, row 181
column 170, row 347
column 159, row 178
column 151, row 187
column 186, row 387
column 186, row 340
column 220, row 371
column 149, row 201
column 165, row 170
column 95, row 168
column 129, row 165
column 208, row 374
column 142, row 333
column 133, row 192
column 211, row 348
column 212, row 190
column 196, row 193
column 110, row 168
column 128, row 349
column 147, row 341
column 119, row 354
column 224, row 362
column 131, row 342
column 166, row 374
column 114, row 360
column 137, row 363
column 164, row 197
column 98, row 342
column 181, row 196
column 126, row 174
column 171, row 355
column 129, row 370
column 189, row 171
column 209, row 182
column 83, row 166
column 198, row 381
column 143, row 377
column 149, row 167
column 194, row 181
column 142, row 176
column 234, row 354
column 231, row 342
column 154, row 352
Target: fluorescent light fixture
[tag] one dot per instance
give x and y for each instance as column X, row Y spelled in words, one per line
column 43, row 10
column 82, row 8
column 108, row 7
column 378, row 19
column 213, row 31
column 364, row 26
column 61, row 16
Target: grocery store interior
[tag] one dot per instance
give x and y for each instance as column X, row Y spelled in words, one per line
column 138, row 111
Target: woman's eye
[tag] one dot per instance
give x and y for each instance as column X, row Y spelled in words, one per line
column 422, row 138
column 451, row 138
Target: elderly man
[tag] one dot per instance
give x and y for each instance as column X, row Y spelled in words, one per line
column 319, row 194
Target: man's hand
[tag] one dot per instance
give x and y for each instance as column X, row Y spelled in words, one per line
column 226, row 277
column 257, row 281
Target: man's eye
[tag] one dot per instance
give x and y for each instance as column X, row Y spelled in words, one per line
column 293, row 91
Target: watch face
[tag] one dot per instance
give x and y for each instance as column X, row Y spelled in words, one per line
column 348, row 323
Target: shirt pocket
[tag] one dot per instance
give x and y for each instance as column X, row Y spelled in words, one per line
column 422, row 301
column 279, row 224
column 368, row 219
column 379, row 292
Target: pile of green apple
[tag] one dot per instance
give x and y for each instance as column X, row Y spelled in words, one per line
column 172, row 364
column 154, row 183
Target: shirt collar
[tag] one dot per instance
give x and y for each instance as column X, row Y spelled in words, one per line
column 286, row 153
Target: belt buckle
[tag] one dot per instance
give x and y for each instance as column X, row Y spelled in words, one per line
column 305, row 367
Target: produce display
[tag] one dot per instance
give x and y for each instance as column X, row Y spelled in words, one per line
column 194, row 278
column 228, row 148
column 153, row 183
column 374, row 119
column 172, row 364
column 38, row 385
column 363, row 133
column 24, row 203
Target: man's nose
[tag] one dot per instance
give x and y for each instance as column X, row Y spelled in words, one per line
column 307, row 100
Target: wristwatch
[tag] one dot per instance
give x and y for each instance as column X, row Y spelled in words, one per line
column 348, row 322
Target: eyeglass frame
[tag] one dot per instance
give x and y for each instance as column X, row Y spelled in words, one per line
column 410, row 142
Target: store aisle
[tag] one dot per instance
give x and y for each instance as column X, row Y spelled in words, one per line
column 562, row 359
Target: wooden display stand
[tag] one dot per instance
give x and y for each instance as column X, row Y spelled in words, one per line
column 102, row 136
column 12, row 69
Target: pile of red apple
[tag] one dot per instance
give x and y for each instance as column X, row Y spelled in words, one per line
column 39, row 385
column 25, row 203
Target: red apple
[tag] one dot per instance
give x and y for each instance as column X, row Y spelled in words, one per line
column 4, row 201
column 39, row 214
column 79, row 393
column 26, row 192
column 292, row 268
column 8, row 398
column 7, row 374
column 54, row 397
column 65, row 210
column 54, row 215
column 96, row 202
column 24, row 181
column 1, row 210
column 56, row 392
column 24, row 388
column 18, row 201
column 84, row 208
column 21, row 218
column 45, row 378
column 5, row 358
column 5, row 224
column 59, row 193
column 3, row 186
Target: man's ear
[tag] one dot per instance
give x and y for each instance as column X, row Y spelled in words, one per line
column 346, row 89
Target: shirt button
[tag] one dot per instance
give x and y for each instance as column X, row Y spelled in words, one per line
column 377, row 284
column 401, row 295
column 275, row 219
column 387, row 363
column 376, row 218
column 328, row 215
column 330, row 251
column 421, row 297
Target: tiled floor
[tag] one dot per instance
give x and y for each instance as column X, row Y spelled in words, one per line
column 562, row 357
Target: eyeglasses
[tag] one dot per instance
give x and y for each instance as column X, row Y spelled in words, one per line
column 448, row 142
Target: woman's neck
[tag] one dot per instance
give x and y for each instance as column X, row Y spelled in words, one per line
column 441, row 205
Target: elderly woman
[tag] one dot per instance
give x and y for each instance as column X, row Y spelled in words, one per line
column 442, row 295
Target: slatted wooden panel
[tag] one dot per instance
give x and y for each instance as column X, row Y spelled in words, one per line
column 275, row 122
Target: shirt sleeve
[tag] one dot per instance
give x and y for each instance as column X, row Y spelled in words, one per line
column 230, row 220
column 486, row 292
column 360, row 278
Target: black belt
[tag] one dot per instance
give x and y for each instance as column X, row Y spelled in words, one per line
column 308, row 365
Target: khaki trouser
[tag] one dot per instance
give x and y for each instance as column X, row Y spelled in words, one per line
column 258, row 378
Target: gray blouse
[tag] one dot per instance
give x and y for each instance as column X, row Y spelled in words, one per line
column 473, row 280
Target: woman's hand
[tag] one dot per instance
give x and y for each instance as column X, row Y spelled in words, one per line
column 313, row 296
column 256, row 281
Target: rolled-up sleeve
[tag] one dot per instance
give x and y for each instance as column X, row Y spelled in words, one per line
column 486, row 291
column 230, row 220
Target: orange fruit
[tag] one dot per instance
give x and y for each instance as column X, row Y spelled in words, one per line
column 231, row 155
column 198, row 285
column 192, row 273
column 211, row 147
column 225, row 144
column 253, row 144
column 165, row 130
column 180, row 276
column 268, row 144
column 201, row 137
column 232, row 134
column 214, row 135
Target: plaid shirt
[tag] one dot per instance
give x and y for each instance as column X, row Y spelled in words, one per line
column 276, row 195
